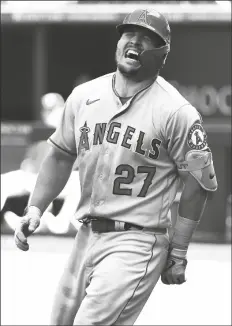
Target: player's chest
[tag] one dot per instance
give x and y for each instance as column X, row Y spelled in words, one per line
column 128, row 127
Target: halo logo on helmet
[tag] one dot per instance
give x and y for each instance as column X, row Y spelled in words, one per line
column 152, row 60
column 143, row 18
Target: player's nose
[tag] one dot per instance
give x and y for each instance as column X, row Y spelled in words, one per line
column 136, row 39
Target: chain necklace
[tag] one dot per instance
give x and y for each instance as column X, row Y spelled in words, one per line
column 115, row 91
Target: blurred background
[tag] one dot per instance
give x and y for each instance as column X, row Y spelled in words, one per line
column 49, row 47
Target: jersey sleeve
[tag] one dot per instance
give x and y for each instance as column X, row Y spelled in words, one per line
column 64, row 136
column 185, row 132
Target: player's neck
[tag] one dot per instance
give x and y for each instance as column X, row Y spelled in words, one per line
column 126, row 87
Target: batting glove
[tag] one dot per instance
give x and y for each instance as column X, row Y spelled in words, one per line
column 28, row 224
column 174, row 271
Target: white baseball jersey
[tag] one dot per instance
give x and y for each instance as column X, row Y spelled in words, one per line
column 127, row 154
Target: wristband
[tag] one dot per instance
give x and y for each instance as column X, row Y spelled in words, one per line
column 183, row 231
column 33, row 210
column 178, row 253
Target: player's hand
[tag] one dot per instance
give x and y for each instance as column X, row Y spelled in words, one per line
column 28, row 224
column 174, row 271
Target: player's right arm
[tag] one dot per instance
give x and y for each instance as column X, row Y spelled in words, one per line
column 52, row 177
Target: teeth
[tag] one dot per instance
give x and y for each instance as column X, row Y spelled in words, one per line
column 132, row 54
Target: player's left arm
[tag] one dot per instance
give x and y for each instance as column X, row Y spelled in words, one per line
column 194, row 161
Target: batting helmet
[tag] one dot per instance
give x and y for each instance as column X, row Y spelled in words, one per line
column 150, row 19
column 154, row 21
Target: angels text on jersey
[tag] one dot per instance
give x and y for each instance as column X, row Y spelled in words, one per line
column 112, row 134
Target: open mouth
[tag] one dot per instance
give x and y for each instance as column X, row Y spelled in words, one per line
column 132, row 55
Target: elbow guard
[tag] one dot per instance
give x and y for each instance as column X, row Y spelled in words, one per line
column 200, row 165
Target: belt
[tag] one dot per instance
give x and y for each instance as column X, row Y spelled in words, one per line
column 101, row 225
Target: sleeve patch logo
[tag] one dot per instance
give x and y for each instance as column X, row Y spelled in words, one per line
column 197, row 138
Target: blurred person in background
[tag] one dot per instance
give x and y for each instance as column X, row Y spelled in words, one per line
column 52, row 105
column 134, row 137
column 14, row 199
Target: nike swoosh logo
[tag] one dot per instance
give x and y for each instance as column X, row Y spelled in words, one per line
column 88, row 102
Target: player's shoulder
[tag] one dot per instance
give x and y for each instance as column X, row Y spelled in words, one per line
column 97, row 84
column 170, row 95
column 172, row 101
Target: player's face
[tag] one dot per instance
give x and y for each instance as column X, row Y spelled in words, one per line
column 132, row 43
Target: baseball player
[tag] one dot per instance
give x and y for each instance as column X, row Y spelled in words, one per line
column 135, row 137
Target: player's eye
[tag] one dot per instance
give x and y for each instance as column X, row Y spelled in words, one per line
column 147, row 39
column 128, row 34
